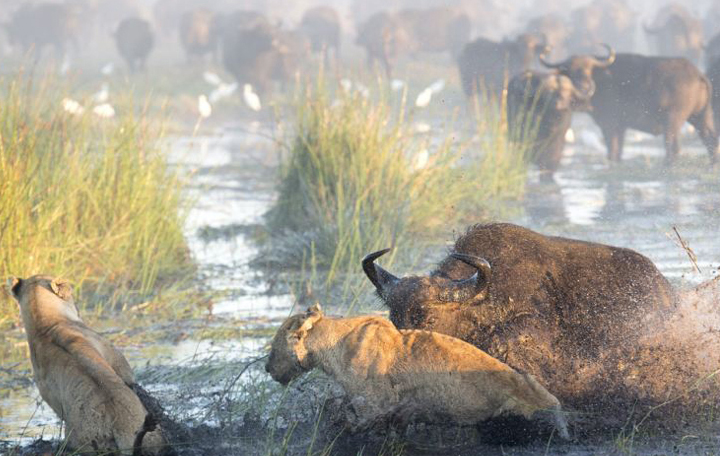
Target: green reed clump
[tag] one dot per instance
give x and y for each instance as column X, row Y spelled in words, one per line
column 354, row 181
column 89, row 199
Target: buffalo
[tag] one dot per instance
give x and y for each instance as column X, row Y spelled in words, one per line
column 603, row 21
column 485, row 65
column 261, row 54
column 134, row 40
column 35, row 26
column 196, row 33
column 322, row 27
column 656, row 95
column 677, row 33
column 539, row 110
column 560, row 309
column 385, row 36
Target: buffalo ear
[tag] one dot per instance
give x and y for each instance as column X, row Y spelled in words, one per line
column 62, row 289
column 13, row 286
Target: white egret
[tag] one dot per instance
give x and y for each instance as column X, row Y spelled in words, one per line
column 107, row 69
column 105, row 110
column 346, row 84
column 252, row 100
column 204, row 107
column 73, row 107
column 222, row 91
column 423, row 99
column 437, row 86
column 397, row 85
column 102, row 95
column 212, row 78
column 420, row 160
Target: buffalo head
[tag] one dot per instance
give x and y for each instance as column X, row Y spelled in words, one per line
column 579, row 68
column 412, row 300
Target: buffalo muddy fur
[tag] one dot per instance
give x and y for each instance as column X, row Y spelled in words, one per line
column 593, row 323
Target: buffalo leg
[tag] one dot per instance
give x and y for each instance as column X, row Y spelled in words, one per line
column 614, row 141
column 703, row 123
column 672, row 143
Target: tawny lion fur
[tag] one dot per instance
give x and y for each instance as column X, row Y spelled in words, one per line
column 83, row 378
column 401, row 373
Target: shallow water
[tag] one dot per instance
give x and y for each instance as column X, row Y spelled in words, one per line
column 633, row 205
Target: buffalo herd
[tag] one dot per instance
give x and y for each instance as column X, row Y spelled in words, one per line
column 620, row 90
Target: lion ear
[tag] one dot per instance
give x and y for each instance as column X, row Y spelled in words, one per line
column 62, row 289
column 312, row 316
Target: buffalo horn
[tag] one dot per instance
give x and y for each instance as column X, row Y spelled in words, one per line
column 467, row 289
column 377, row 275
column 606, row 61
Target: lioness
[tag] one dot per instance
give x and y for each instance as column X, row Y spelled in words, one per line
column 401, row 373
column 83, row 378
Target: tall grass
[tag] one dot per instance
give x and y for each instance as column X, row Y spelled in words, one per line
column 89, row 199
column 353, row 180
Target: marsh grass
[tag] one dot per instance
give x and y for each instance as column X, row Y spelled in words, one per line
column 358, row 178
column 88, row 199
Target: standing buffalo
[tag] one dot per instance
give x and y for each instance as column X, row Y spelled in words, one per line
column 196, row 33
column 134, row 39
column 261, row 54
column 677, row 33
column 560, row 309
column 603, row 21
column 385, row 36
column 35, row 26
column 656, row 95
column 322, row 27
column 485, row 65
column 539, row 109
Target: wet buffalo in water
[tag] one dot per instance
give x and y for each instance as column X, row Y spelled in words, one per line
column 196, row 33
column 561, row 309
column 603, row 21
column 486, row 65
column 656, row 95
column 539, row 110
column 134, row 40
column 262, row 53
column 386, row 36
column 322, row 27
column 677, row 33
column 36, row 26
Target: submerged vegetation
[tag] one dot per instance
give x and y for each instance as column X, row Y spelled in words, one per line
column 359, row 177
column 86, row 197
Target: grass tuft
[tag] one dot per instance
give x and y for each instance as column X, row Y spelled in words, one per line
column 358, row 177
column 90, row 199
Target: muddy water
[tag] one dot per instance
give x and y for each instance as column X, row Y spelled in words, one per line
column 635, row 205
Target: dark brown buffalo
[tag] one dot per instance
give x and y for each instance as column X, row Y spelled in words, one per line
column 677, row 33
column 656, row 95
column 134, row 39
column 485, row 65
column 385, row 36
column 196, row 33
column 560, row 309
column 322, row 27
column 603, row 21
column 36, row 26
column 713, row 75
column 262, row 54
column 539, row 110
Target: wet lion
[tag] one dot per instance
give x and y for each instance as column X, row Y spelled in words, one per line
column 388, row 372
column 84, row 379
